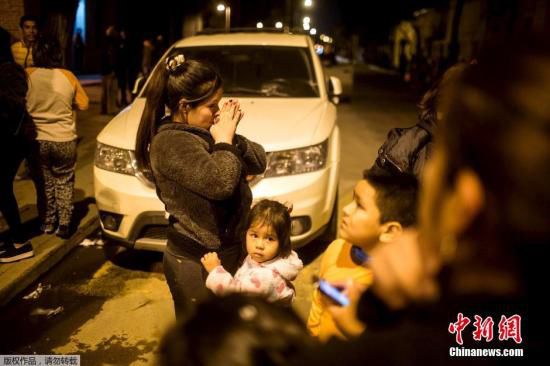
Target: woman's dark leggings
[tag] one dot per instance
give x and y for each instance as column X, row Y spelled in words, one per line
column 186, row 277
column 12, row 154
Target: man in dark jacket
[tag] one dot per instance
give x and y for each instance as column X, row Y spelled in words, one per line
column 15, row 123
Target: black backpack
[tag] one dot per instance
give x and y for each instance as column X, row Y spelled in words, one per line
column 405, row 150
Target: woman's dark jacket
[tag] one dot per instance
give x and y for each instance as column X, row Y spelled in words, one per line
column 203, row 185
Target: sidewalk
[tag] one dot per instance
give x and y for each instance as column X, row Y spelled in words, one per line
column 49, row 249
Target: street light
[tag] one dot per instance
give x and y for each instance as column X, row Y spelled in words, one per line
column 307, row 20
column 259, row 25
column 278, row 25
column 308, row 3
column 306, row 26
column 313, row 31
column 227, row 10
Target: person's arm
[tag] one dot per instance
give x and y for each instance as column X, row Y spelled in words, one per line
column 220, row 282
column 253, row 155
column 81, row 100
column 182, row 158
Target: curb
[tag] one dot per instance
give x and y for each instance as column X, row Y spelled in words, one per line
column 28, row 271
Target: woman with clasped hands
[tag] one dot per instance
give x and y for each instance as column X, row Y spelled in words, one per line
column 199, row 166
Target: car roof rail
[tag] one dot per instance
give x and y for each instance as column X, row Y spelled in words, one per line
column 207, row 31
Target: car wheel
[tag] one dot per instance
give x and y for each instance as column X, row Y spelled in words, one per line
column 331, row 231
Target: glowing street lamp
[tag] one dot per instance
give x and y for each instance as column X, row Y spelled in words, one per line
column 259, row 25
column 308, row 3
column 306, row 26
column 227, row 10
column 313, row 31
column 307, row 20
column 279, row 25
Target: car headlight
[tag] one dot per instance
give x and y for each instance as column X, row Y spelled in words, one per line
column 297, row 161
column 114, row 159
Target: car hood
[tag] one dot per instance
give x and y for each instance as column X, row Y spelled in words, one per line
column 275, row 123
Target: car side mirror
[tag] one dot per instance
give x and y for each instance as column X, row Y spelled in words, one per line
column 334, row 89
column 140, row 81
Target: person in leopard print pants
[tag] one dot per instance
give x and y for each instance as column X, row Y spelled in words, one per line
column 53, row 91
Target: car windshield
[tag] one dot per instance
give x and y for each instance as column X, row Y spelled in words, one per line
column 260, row 71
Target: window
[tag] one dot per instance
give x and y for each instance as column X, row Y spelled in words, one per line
column 260, row 71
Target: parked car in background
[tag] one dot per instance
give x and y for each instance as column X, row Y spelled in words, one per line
column 290, row 107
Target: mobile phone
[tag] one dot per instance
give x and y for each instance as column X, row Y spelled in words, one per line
column 333, row 293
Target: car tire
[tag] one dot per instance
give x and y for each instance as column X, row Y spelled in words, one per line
column 331, row 232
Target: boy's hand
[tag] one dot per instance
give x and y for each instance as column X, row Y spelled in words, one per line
column 345, row 317
column 210, row 261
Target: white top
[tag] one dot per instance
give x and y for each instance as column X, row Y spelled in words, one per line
column 50, row 99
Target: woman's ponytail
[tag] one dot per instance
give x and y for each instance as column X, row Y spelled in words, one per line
column 156, row 99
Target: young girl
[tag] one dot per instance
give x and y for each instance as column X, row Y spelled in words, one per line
column 271, row 263
column 199, row 166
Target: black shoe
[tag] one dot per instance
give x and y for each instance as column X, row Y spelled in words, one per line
column 63, row 232
column 13, row 254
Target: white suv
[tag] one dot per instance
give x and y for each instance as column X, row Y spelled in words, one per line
column 289, row 107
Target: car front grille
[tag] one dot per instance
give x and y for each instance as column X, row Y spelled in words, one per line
column 154, row 232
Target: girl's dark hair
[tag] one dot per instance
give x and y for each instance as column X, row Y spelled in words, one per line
column 236, row 330
column 497, row 124
column 193, row 80
column 432, row 98
column 47, row 53
column 277, row 216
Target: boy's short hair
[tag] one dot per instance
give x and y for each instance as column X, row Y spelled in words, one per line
column 26, row 18
column 396, row 196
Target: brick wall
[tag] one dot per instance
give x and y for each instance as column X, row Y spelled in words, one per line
column 10, row 12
